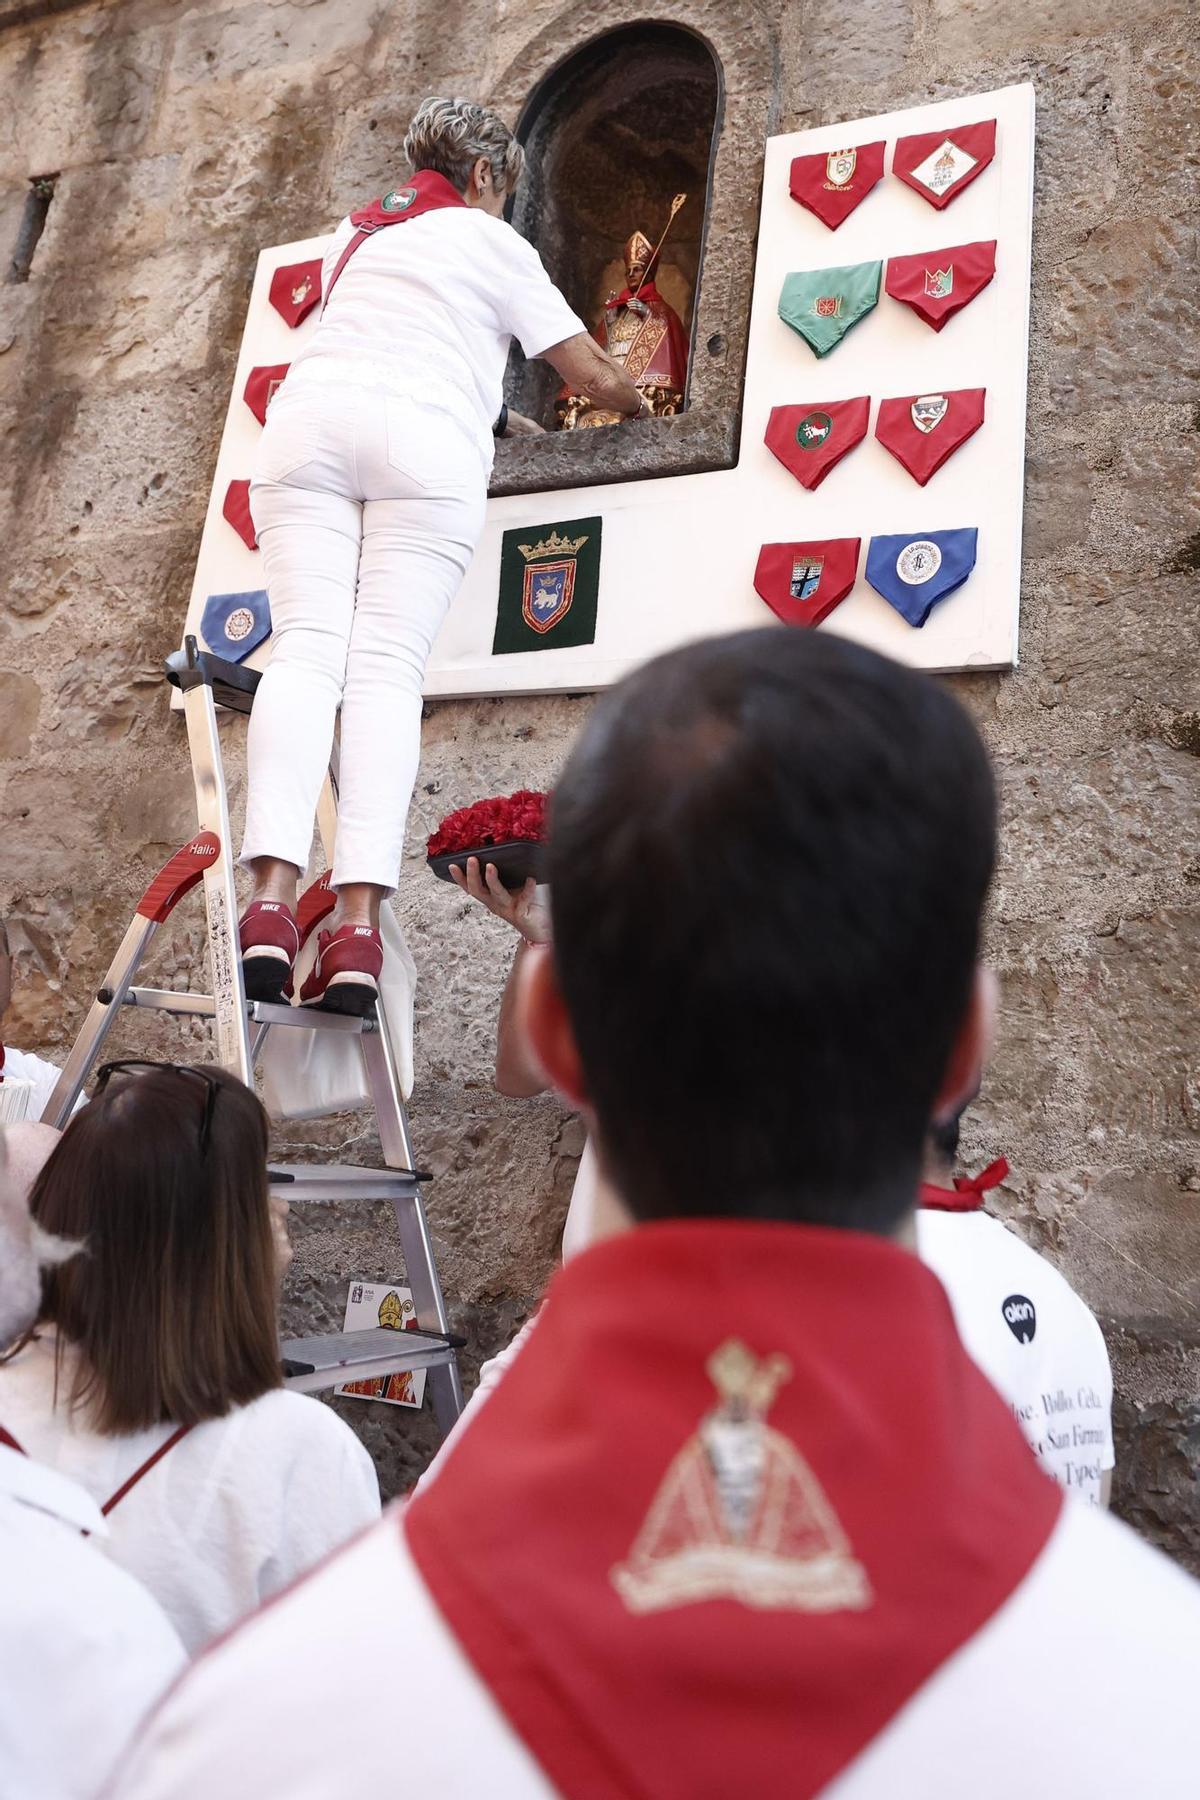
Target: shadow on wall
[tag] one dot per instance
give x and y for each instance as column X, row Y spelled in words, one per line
column 612, row 133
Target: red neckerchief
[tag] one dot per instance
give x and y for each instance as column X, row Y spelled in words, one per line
column 665, row 1597
column 968, row 1191
column 432, row 192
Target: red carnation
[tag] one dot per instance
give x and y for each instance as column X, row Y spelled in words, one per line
column 505, row 819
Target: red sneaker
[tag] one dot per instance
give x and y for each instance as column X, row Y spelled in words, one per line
column 345, row 976
column 269, row 939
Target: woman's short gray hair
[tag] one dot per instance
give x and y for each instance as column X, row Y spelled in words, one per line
column 449, row 135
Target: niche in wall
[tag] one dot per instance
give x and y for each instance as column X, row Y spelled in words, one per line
column 611, row 134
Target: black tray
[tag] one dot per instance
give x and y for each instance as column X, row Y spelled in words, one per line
column 514, row 862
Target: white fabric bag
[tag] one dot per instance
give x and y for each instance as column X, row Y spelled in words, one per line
column 308, row 1074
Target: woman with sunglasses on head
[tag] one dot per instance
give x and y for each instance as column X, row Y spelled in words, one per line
column 152, row 1377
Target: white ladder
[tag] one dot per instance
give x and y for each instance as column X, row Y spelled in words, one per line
column 207, row 682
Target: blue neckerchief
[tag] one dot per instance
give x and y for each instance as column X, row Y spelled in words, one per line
column 914, row 570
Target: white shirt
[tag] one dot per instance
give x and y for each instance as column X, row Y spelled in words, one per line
column 233, row 1513
column 429, row 308
column 1032, row 1336
column 84, row 1650
column 44, row 1076
column 1082, row 1685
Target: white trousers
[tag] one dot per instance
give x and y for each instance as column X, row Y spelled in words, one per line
column 367, row 508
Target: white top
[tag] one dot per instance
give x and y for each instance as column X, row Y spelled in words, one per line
column 84, row 1650
column 1082, row 1684
column 44, row 1076
column 1032, row 1336
column 429, row 307
column 233, row 1513
column 577, row 1227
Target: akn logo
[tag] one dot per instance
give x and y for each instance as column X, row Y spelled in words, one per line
column 1020, row 1317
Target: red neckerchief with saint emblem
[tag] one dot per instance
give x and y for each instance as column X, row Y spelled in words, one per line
column 426, row 192
column 803, row 582
column 295, row 289
column 923, row 431
column 967, row 1192
column 811, row 440
column 740, row 1496
column 938, row 165
column 940, row 283
column 833, row 182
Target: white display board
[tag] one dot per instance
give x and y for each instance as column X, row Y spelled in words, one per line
column 679, row 553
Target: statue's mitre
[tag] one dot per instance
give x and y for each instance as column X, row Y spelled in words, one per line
column 552, row 546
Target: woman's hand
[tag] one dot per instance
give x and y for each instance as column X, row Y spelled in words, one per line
column 519, row 426
column 522, row 910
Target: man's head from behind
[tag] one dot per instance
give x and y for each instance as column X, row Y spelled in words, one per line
column 768, row 858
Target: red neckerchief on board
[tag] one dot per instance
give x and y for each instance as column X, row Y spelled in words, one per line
column 967, row 1192
column 740, row 1496
column 426, row 192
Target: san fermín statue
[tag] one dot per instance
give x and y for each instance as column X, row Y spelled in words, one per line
column 643, row 333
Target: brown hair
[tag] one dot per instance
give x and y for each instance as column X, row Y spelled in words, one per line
column 173, row 1302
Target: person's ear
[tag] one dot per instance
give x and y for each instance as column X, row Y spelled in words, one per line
column 481, row 174
column 541, row 1018
column 964, row 1069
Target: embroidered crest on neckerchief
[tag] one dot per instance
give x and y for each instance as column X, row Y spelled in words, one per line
column 939, row 283
column 399, row 200
column 739, row 1514
column 928, row 411
column 944, row 166
column 806, row 577
column 812, row 431
column 828, row 306
column 839, row 168
column 918, row 562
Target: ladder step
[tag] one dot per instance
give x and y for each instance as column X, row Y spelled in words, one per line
column 313, row 1363
column 298, row 1182
column 259, row 1012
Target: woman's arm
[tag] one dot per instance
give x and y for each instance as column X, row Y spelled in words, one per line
column 517, row 1075
column 587, row 369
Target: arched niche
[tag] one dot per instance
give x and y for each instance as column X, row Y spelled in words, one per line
column 556, row 58
column 624, row 123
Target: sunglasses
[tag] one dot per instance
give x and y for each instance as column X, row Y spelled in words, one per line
column 210, row 1081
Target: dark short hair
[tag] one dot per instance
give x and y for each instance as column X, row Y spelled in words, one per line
column 173, row 1303
column 768, row 855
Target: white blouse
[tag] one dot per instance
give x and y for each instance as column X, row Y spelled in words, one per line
column 231, row 1514
column 429, row 307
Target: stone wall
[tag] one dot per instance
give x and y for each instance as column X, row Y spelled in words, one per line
column 184, row 136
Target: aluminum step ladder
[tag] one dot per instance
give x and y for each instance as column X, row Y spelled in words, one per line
column 207, row 682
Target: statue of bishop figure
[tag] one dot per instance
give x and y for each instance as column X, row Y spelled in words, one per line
column 641, row 331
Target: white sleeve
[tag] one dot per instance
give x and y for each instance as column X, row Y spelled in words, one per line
column 534, row 311
column 331, row 1494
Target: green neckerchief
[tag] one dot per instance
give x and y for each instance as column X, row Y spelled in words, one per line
column 822, row 304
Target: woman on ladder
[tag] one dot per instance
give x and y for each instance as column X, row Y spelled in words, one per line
column 368, row 499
